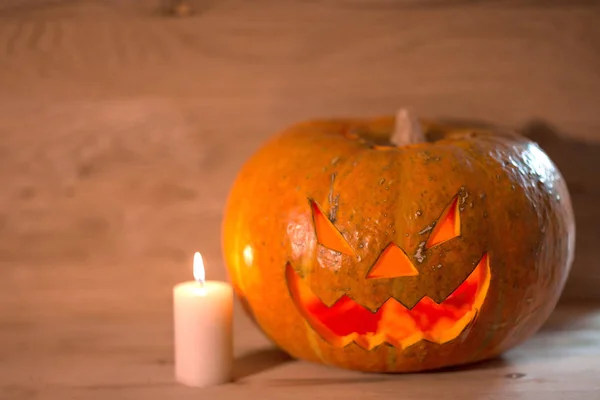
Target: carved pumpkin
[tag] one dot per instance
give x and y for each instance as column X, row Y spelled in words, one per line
column 352, row 249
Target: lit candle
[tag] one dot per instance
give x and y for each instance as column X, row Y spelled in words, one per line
column 203, row 329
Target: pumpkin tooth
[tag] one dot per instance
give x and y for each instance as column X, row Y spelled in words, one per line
column 346, row 340
column 370, row 340
column 406, row 342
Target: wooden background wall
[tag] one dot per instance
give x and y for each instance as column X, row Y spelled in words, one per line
column 122, row 129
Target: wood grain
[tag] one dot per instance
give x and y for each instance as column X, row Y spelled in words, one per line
column 92, row 92
column 121, row 130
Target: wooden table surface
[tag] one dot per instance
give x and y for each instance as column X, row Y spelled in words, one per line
column 124, row 351
column 122, row 129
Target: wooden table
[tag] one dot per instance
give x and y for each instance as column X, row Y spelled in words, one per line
column 123, row 350
column 122, row 129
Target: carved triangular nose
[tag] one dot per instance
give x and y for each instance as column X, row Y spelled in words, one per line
column 392, row 263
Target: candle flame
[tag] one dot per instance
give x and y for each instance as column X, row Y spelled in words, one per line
column 199, row 274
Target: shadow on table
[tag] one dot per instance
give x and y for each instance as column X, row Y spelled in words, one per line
column 373, row 378
column 257, row 361
column 495, row 363
column 573, row 316
column 499, row 364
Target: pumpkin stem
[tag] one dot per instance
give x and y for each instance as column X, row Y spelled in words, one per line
column 408, row 130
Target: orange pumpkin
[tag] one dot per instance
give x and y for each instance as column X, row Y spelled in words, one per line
column 352, row 248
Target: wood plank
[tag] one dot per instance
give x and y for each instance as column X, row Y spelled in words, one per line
column 87, row 90
column 129, row 354
column 504, row 64
column 121, row 131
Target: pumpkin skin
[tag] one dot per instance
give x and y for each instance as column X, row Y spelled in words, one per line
column 514, row 210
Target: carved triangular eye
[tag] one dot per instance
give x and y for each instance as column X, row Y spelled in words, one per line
column 447, row 226
column 327, row 233
column 392, row 263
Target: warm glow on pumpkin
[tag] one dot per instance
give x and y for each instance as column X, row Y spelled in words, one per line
column 347, row 321
column 447, row 227
column 392, row 263
column 327, row 234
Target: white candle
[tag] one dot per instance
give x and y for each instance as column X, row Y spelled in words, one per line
column 203, row 330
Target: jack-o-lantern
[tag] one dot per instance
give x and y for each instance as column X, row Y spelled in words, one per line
column 361, row 244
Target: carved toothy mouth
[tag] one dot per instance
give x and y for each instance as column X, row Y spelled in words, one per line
column 347, row 321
